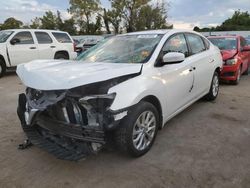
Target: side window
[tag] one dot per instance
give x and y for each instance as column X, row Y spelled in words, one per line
column 62, row 37
column 196, row 43
column 176, row 43
column 24, row 37
column 43, row 38
column 207, row 43
column 243, row 42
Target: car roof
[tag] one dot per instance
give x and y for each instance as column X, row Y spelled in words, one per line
column 160, row 31
column 224, row 36
column 46, row 30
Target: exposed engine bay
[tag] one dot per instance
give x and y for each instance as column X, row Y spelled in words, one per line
column 71, row 124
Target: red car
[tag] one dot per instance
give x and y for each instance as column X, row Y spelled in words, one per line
column 236, row 56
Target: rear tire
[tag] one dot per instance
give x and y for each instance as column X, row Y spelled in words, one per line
column 138, row 129
column 2, row 68
column 61, row 56
column 214, row 88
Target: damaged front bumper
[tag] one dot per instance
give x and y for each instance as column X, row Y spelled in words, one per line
column 66, row 125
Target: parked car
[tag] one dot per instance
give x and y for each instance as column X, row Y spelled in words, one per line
column 84, row 42
column 23, row 45
column 236, row 56
column 125, row 88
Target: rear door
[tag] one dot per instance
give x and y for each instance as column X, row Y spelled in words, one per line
column 25, row 50
column 46, row 45
column 202, row 63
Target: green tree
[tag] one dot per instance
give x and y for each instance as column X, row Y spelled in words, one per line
column 139, row 14
column 69, row 26
column 11, row 23
column 36, row 23
column 240, row 21
column 49, row 21
column 129, row 11
column 152, row 17
column 83, row 12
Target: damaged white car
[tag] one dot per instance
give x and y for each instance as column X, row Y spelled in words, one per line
column 124, row 89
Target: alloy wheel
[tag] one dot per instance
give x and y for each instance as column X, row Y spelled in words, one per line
column 215, row 85
column 144, row 130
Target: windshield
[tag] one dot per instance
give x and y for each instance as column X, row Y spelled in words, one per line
column 122, row 49
column 228, row 43
column 4, row 35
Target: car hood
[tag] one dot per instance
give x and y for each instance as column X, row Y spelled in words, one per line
column 228, row 54
column 64, row 74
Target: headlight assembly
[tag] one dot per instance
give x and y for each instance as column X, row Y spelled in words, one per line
column 231, row 62
column 98, row 101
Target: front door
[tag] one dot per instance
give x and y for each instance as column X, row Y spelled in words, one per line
column 178, row 78
column 24, row 50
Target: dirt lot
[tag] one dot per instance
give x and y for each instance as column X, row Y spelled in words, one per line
column 208, row 145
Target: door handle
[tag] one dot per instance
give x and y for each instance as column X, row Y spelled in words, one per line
column 211, row 61
column 32, row 48
column 52, row 46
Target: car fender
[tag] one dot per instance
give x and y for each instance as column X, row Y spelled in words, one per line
column 132, row 91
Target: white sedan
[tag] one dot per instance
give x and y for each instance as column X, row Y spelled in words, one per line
column 123, row 89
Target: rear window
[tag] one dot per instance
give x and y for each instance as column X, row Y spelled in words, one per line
column 225, row 43
column 43, row 38
column 196, row 43
column 62, row 37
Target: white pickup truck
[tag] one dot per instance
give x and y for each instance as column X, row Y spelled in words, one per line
column 23, row 45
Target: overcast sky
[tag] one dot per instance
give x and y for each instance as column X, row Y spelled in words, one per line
column 182, row 13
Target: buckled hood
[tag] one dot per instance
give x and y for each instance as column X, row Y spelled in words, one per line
column 64, row 74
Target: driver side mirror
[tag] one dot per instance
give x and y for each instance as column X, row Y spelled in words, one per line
column 15, row 41
column 246, row 49
column 173, row 57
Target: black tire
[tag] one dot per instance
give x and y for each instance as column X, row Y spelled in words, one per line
column 237, row 81
column 61, row 56
column 124, row 135
column 2, row 68
column 212, row 95
column 246, row 72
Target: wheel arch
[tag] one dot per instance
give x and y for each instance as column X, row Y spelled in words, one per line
column 2, row 58
column 64, row 52
column 156, row 102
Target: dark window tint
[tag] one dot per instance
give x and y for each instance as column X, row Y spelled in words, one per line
column 62, row 37
column 225, row 43
column 43, row 38
column 243, row 42
column 196, row 43
column 176, row 43
column 24, row 37
column 207, row 43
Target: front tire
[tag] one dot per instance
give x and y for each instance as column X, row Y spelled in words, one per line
column 138, row 129
column 2, row 68
column 246, row 72
column 214, row 88
column 237, row 81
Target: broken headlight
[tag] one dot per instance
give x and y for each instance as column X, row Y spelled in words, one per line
column 99, row 102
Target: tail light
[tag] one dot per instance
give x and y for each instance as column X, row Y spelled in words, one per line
column 74, row 46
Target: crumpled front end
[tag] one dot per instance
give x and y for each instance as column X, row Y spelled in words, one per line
column 70, row 124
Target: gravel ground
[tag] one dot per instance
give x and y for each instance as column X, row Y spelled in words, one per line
column 207, row 145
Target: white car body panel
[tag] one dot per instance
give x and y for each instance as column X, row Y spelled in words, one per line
column 59, row 75
column 14, row 55
column 174, row 85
